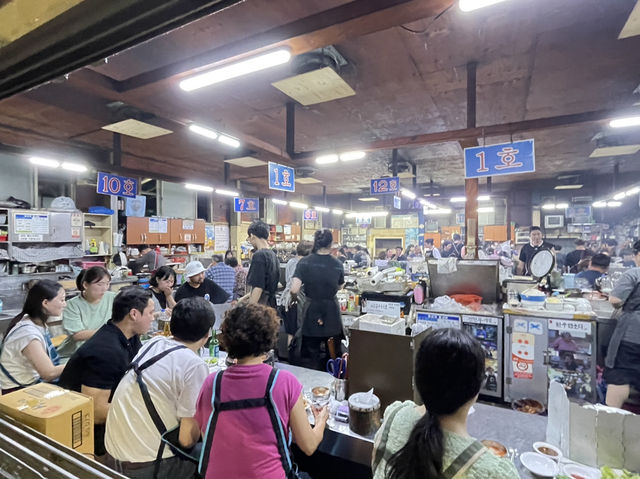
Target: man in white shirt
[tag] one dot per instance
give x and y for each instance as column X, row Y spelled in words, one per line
column 430, row 250
column 132, row 438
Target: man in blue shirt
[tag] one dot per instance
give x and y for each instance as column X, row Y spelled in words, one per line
column 222, row 274
column 598, row 266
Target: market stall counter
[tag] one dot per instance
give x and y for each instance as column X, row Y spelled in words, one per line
column 485, row 422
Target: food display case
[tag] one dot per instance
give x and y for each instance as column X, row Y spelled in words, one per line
column 543, row 346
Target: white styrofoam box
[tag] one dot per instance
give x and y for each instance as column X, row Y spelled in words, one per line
column 381, row 324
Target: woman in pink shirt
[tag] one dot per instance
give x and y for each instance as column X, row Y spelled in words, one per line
column 241, row 439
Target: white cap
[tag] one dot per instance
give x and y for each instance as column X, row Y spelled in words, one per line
column 193, row 268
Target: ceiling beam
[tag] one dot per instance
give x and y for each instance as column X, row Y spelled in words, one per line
column 335, row 25
column 468, row 135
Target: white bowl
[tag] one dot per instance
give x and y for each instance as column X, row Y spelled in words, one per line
column 539, row 464
column 581, row 471
column 537, row 446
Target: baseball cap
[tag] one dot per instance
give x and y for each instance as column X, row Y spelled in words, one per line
column 193, row 268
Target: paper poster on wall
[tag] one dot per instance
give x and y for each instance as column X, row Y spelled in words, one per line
column 36, row 224
column 188, row 224
column 221, row 233
column 29, row 238
column 522, row 355
column 209, row 234
column 135, row 207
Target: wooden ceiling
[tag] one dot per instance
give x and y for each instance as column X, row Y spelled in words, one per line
column 535, row 60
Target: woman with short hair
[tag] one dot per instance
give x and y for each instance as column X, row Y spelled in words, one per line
column 248, row 439
column 161, row 285
column 26, row 353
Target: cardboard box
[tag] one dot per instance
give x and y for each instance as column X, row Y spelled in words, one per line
column 64, row 416
column 382, row 324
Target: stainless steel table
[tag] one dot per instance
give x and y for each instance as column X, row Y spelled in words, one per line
column 512, row 428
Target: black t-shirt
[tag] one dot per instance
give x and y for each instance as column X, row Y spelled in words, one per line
column 100, row 363
column 217, row 295
column 264, row 273
column 574, row 257
column 527, row 252
column 161, row 297
column 321, row 274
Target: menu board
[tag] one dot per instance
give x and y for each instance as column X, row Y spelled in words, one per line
column 221, row 235
column 31, row 224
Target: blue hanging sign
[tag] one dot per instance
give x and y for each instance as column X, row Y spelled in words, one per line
column 503, row 159
column 384, row 186
column 245, row 205
column 117, row 185
column 310, row 215
column 281, row 177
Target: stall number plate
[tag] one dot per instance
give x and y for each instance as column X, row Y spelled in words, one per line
column 480, row 320
column 563, row 325
column 439, row 320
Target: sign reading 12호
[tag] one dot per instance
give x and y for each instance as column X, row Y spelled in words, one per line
column 502, row 159
column 281, row 177
column 384, row 186
column 245, row 205
column 117, row 185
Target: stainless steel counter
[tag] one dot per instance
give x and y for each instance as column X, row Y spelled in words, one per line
column 512, row 428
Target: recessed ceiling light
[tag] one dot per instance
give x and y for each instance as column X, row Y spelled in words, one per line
column 549, row 206
column 279, row 202
column 74, row 167
column 227, row 192
column 458, row 199
column 567, row 187
column 191, row 186
column 614, row 204
column 301, row 206
column 368, row 198
column 484, row 198
column 370, row 214
column 327, row 159
column 39, row 161
column 229, row 141
column 470, row 5
column 599, row 204
column 236, row 69
column 352, row 155
column 625, row 122
column 324, row 209
column 562, row 206
column 200, row 130
column 619, row 196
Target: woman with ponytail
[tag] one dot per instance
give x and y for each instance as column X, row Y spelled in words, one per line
column 322, row 276
column 26, row 353
column 431, row 441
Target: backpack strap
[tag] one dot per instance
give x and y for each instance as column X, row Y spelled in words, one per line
column 464, row 460
column 207, row 441
column 380, row 450
column 276, row 422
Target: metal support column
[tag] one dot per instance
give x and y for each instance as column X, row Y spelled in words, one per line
column 471, row 184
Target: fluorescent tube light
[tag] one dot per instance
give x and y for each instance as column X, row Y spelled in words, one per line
column 625, row 122
column 458, row 199
column 423, row 202
column 200, row 130
column 484, row 198
column 470, row 5
column 337, row 212
column 324, row 209
column 229, row 141
column 39, row 161
column 567, row 187
column 191, row 186
column 633, row 191
column 436, row 194
column 619, row 196
column 74, row 167
column 352, row 155
column 549, row 206
column 614, row 204
column 236, row 69
column 408, row 194
column 326, row 159
column 438, row 211
column 486, row 209
column 227, row 192
column 368, row 198
column 369, row 214
column 562, row 206
column 276, row 201
column 301, row 206
column 599, row 204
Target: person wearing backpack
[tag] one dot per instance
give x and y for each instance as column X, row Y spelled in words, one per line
column 172, row 372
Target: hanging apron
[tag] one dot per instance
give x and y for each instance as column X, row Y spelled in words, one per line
column 321, row 318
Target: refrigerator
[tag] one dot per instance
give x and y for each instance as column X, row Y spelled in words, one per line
column 488, row 329
column 541, row 347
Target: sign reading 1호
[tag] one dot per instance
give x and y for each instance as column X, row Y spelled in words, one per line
column 502, row 159
column 281, row 177
column 245, row 205
column 384, row 186
column 116, row 185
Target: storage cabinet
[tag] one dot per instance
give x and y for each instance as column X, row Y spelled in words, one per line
column 98, row 227
column 178, row 232
column 186, row 231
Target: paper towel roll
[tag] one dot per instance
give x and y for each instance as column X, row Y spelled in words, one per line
column 388, row 270
column 376, row 278
column 372, row 271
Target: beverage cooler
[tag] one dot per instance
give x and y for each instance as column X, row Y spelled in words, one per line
column 543, row 346
column 488, row 329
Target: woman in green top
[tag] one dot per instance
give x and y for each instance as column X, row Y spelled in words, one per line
column 88, row 311
column 433, row 443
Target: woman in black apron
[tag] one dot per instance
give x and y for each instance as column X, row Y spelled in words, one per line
column 623, row 356
column 322, row 276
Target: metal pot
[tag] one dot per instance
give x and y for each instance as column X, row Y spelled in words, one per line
column 27, row 268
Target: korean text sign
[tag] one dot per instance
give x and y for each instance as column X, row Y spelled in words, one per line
column 245, row 205
column 384, row 186
column 117, row 185
column 281, row 177
column 502, row 159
